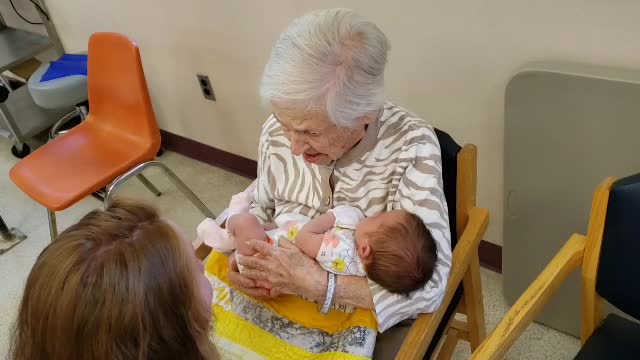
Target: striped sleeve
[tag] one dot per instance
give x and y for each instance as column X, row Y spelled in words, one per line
column 263, row 204
column 420, row 191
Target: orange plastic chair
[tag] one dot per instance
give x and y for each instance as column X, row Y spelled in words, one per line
column 118, row 140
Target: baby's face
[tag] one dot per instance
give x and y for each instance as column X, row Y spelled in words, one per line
column 373, row 224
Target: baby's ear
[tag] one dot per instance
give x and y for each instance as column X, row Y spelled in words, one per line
column 364, row 251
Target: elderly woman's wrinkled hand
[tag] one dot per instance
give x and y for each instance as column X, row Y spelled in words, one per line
column 247, row 285
column 286, row 268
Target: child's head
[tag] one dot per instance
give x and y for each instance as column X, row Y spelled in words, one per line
column 121, row 283
column 397, row 250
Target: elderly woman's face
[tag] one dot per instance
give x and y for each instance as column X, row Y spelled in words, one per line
column 314, row 137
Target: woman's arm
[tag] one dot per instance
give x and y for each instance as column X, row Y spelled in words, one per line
column 351, row 290
column 420, row 191
column 290, row 271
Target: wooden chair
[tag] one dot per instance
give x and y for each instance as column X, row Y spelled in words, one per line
column 439, row 330
column 607, row 256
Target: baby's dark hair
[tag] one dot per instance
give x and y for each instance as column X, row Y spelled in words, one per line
column 404, row 255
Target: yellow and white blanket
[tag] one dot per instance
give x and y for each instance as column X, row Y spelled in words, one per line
column 284, row 328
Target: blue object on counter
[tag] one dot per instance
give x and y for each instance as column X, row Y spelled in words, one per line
column 67, row 65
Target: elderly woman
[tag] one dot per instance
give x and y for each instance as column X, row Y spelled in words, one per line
column 332, row 140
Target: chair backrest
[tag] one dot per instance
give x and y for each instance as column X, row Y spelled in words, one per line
column 118, row 94
column 449, row 150
column 458, row 178
column 619, row 269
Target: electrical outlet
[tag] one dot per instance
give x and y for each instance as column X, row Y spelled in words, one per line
column 205, row 86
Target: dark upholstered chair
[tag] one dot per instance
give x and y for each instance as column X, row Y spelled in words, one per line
column 608, row 256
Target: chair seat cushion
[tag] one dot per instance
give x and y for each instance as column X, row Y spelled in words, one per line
column 57, row 93
column 617, row 338
column 67, row 65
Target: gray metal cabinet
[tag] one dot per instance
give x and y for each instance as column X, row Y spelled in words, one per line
column 567, row 127
column 20, row 117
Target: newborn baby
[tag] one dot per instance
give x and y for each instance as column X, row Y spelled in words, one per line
column 394, row 249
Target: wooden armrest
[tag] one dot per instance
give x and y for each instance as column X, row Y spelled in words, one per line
column 417, row 341
column 202, row 249
column 496, row 345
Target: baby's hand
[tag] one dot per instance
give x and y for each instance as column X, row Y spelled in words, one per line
column 269, row 226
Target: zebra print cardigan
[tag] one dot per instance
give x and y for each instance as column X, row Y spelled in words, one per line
column 397, row 165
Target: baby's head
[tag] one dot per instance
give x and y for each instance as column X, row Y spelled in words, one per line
column 397, row 250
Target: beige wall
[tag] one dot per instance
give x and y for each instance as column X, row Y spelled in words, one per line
column 450, row 60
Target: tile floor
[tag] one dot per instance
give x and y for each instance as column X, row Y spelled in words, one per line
column 215, row 187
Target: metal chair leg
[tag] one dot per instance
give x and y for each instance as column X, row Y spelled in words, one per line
column 143, row 179
column 176, row 181
column 4, row 81
column 12, row 234
column 53, row 226
column 99, row 194
column 83, row 112
column 55, row 129
column 4, row 229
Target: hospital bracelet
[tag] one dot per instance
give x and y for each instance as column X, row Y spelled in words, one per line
column 331, row 292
